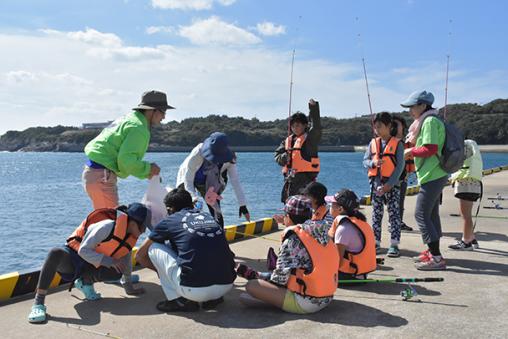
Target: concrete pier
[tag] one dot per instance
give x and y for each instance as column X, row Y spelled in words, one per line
column 470, row 303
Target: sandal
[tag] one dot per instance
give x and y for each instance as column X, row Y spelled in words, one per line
column 38, row 314
column 87, row 290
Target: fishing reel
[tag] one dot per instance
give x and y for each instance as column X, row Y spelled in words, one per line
column 409, row 293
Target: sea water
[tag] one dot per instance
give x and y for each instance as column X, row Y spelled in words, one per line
column 42, row 198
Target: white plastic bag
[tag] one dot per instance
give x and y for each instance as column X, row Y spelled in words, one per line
column 154, row 200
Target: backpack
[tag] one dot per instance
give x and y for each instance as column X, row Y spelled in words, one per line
column 453, row 153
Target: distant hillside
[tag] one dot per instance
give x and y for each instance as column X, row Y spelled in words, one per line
column 487, row 124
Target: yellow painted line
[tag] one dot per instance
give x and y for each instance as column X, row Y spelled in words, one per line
column 267, row 224
column 230, row 232
column 249, row 227
column 7, row 283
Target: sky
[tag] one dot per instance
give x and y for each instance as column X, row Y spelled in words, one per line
column 69, row 62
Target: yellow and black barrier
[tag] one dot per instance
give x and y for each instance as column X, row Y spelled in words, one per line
column 16, row 284
column 413, row 190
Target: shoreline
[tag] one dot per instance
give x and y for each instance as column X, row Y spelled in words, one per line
column 240, row 149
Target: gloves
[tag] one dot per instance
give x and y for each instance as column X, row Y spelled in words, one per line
column 243, row 210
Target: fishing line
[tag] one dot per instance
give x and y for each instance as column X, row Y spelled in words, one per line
column 447, row 66
column 359, row 36
column 291, row 78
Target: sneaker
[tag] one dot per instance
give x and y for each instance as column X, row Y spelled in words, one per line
column 461, row 245
column 406, row 228
column 422, row 257
column 431, row 265
column 246, row 272
column 37, row 315
column 178, row 305
column 134, row 280
column 87, row 290
column 271, row 259
column 212, row 304
column 475, row 244
column 393, row 251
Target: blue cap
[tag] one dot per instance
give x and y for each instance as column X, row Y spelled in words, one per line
column 216, row 148
column 418, row 97
column 139, row 213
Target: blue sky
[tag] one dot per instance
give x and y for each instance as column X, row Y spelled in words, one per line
column 76, row 61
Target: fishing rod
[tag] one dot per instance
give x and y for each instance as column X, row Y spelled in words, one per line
column 407, row 293
column 481, row 216
column 365, row 77
column 291, row 91
column 391, row 280
column 447, row 67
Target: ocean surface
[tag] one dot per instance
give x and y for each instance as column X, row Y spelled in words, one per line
column 42, row 199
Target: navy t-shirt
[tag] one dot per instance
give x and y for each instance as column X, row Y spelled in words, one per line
column 203, row 252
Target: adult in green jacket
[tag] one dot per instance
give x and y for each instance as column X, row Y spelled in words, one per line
column 119, row 149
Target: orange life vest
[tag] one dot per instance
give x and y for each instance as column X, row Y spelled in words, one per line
column 410, row 162
column 387, row 155
column 322, row 280
column 296, row 162
column 118, row 244
column 320, row 213
column 364, row 261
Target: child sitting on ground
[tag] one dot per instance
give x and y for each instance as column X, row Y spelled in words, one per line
column 353, row 236
column 305, row 276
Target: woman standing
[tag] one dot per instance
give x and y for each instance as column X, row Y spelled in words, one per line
column 468, row 188
column 206, row 171
column 427, row 137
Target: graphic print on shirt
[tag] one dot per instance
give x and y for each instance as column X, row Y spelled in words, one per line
column 201, row 224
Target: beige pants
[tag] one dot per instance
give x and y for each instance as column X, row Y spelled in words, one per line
column 100, row 185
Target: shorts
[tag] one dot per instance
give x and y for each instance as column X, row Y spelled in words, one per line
column 295, row 303
column 468, row 189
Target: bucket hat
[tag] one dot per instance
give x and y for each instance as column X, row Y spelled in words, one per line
column 418, row 97
column 216, row 148
column 154, row 100
column 298, row 205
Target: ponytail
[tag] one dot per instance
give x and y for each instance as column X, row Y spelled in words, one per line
column 357, row 214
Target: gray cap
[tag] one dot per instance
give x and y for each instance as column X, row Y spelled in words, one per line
column 418, row 97
column 154, row 100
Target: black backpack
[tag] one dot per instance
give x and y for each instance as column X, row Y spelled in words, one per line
column 453, row 153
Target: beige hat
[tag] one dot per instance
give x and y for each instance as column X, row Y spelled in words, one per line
column 154, row 100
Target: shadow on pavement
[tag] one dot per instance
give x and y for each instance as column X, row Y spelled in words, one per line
column 476, row 267
column 90, row 311
column 480, row 236
column 338, row 312
column 389, row 288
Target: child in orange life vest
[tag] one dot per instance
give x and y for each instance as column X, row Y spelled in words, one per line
column 398, row 130
column 305, row 277
column 91, row 254
column 384, row 160
column 353, row 236
column 316, row 193
column 298, row 153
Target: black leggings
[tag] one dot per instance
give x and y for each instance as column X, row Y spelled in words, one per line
column 59, row 260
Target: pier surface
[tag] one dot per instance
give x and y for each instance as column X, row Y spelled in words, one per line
column 470, row 303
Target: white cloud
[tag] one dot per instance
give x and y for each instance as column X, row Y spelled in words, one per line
column 66, row 83
column 214, row 31
column 270, row 29
column 107, row 45
column 189, row 4
column 90, row 36
column 159, row 29
column 127, row 53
